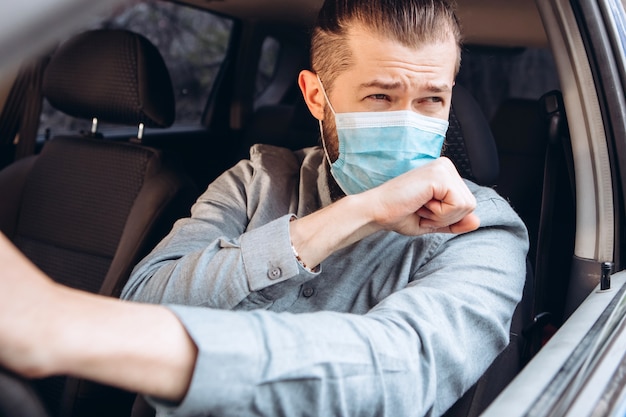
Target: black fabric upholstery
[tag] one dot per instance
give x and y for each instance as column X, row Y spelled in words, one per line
column 522, row 140
column 288, row 125
column 12, row 180
column 87, row 210
column 72, row 207
column 127, row 84
column 66, row 205
column 469, row 141
column 269, row 125
column 18, row 398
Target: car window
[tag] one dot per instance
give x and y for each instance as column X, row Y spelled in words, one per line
column 267, row 63
column 193, row 44
column 495, row 74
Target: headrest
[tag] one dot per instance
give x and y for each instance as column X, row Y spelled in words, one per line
column 116, row 76
column 469, row 141
column 288, row 125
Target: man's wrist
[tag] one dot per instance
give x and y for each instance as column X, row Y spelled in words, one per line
column 297, row 256
column 319, row 234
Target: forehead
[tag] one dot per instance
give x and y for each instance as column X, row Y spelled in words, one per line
column 374, row 56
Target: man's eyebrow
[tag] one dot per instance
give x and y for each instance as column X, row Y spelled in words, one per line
column 383, row 85
column 395, row 85
column 438, row 88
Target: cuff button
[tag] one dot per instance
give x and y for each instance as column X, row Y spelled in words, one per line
column 274, row 273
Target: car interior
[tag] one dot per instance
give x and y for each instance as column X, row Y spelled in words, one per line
column 87, row 200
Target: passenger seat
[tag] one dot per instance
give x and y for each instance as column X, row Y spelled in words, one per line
column 537, row 178
column 86, row 210
column 522, row 141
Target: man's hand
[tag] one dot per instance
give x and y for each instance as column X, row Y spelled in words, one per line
column 429, row 199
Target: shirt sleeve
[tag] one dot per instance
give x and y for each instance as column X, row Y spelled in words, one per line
column 413, row 354
column 230, row 265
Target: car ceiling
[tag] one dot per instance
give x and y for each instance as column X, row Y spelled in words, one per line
column 485, row 22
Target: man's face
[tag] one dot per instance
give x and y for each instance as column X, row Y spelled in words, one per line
column 388, row 76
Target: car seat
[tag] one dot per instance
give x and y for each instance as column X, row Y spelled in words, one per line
column 532, row 137
column 521, row 139
column 85, row 209
column 18, row 398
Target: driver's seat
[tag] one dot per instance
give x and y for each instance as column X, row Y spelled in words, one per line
column 86, row 209
column 18, row 398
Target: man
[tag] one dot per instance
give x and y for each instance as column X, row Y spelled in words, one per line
column 404, row 277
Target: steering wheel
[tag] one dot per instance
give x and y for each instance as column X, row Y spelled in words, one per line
column 18, row 398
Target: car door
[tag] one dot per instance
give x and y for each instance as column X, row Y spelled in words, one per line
column 580, row 371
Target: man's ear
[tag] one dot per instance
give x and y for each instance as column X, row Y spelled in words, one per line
column 312, row 93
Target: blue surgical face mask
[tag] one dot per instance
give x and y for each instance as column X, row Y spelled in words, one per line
column 375, row 147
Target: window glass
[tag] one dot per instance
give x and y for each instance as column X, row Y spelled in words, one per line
column 193, row 44
column 267, row 63
column 494, row 75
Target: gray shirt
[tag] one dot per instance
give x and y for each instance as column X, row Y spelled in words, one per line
column 392, row 325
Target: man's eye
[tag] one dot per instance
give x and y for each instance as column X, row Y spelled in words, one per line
column 432, row 100
column 378, row 97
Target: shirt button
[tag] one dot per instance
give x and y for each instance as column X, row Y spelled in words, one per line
column 308, row 292
column 274, row 273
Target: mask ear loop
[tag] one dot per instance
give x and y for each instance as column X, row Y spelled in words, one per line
column 320, row 122
column 324, row 143
column 326, row 96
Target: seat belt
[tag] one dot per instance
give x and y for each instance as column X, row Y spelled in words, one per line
column 19, row 120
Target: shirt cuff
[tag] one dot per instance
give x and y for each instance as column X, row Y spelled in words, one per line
column 268, row 255
column 221, row 337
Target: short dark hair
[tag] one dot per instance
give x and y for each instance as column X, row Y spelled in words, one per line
column 410, row 22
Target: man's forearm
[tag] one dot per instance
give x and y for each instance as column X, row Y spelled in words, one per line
column 49, row 329
column 141, row 347
column 318, row 235
column 432, row 198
